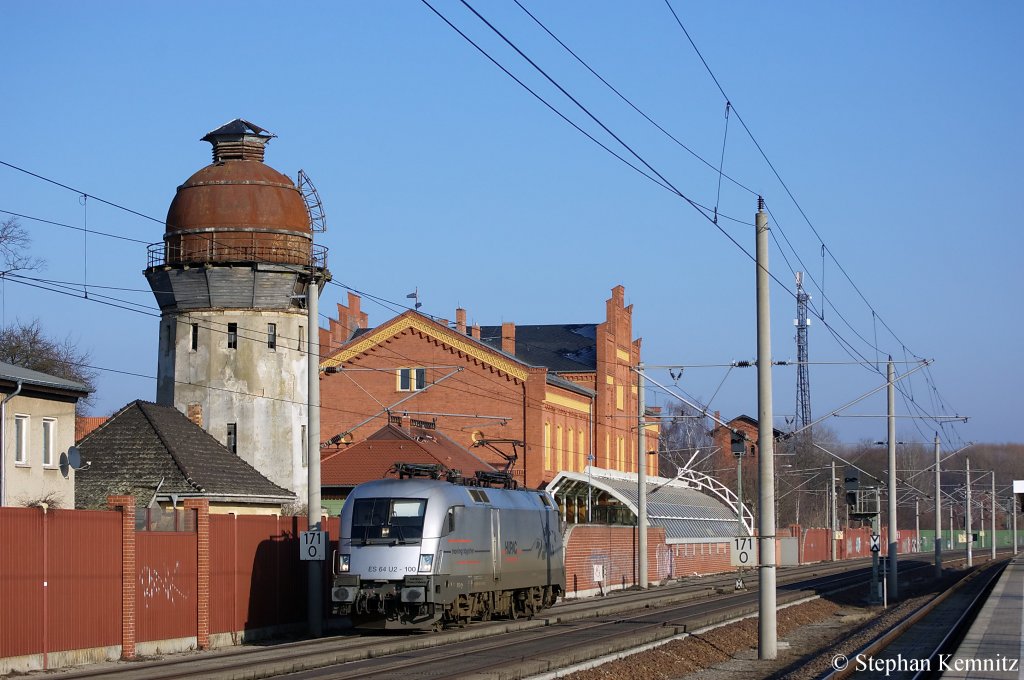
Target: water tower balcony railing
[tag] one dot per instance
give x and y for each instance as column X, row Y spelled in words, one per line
column 202, row 251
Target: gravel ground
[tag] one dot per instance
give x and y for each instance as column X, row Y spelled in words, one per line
column 810, row 635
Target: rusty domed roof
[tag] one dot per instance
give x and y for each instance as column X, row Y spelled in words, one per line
column 238, row 194
column 238, row 209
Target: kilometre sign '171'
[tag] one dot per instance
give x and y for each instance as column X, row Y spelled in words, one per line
column 312, row 545
column 744, row 552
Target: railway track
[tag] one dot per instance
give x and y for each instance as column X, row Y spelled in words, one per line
column 570, row 633
column 911, row 648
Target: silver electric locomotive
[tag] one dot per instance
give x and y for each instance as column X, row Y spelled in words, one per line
column 422, row 553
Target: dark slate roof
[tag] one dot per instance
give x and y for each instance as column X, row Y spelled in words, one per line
column 750, row 420
column 569, row 385
column 15, row 373
column 560, row 347
column 238, row 126
column 145, row 443
column 359, row 332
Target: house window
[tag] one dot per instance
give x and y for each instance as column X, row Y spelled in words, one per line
column 232, row 336
column 21, row 439
column 581, row 452
column 412, row 379
column 558, row 448
column 547, row 446
column 302, row 338
column 232, row 437
column 49, row 434
column 271, row 336
column 195, row 337
column 570, row 451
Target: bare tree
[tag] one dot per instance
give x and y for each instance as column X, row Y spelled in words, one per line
column 28, row 346
column 683, row 431
column 14, row 244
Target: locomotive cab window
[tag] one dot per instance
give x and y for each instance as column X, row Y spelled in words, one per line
column 388, row 519
column 450, row 519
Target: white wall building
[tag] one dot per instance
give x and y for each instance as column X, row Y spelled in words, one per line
column 37, row 425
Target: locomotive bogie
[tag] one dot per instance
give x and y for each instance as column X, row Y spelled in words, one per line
column 421, row 553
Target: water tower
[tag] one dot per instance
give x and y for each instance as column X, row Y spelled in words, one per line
column 231, row 278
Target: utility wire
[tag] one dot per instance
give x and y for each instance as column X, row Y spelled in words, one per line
column 634, row 106
column 774, row 171
column 80, row 192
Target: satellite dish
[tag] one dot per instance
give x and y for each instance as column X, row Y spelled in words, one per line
column 74, row 458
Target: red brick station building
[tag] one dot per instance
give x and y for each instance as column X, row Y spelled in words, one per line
column 535, row 399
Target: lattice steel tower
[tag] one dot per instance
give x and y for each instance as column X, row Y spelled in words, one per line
column 803, row 377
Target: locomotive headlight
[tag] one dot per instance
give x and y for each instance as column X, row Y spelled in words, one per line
column 426, row 562
column 344, row 563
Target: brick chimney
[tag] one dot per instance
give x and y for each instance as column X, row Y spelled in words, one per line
column 476, row 331
column 460, row 320
column 195, row 414
column 508, row 337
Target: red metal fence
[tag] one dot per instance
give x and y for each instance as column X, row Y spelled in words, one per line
column 61, row 573
column 61, row 580
column 165, row 585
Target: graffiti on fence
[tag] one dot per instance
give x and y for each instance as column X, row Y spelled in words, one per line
column 156, row 583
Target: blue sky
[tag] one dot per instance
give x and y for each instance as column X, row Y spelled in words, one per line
column 895, row 127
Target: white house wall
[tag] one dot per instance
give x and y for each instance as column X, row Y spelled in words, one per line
column 27, row 482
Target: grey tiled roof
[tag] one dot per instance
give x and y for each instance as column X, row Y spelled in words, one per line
column 559, row 347
column 15, row 373
column 145, row 443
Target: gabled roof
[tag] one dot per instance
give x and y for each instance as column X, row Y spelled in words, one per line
column 374, row 457
column 145, row 445
column 13, row 373
column 413, row 320
column 563, row 348
column 752, row 422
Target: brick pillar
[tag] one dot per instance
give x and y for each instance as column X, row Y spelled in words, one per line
column 202, row 508
column 126, row 504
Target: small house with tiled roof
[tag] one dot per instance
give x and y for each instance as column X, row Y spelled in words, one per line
column 159, row 456
column 374, row 458
column 545, row 397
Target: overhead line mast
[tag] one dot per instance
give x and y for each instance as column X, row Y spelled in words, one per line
column 803, row 373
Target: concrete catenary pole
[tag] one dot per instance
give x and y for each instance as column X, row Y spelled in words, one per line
column 967, row 519
column 993, row 473
column 938, row 510
column 1013, row 510
column 767, row 624
column 641, row 475
column 917, row 524
column 315, row 603
column 892, row 577
column 835, row 513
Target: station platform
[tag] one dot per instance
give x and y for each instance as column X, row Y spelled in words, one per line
column 994, row 645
